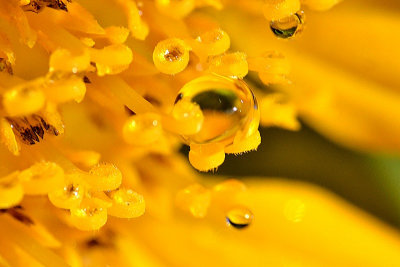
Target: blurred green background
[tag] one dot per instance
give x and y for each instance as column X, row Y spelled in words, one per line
column 371, row 182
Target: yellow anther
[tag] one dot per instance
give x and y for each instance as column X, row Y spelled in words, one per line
column 90, row 215
column 104, row 176
column 117, row 35
column 241, row 145
column 64, row 89
column 53, row 119
column 139, row 29
column 63, row 60
column 171, row 56
column 111, row 59
column 70, row 194
column 126, row 203
column 206, row 157
column 211, row 43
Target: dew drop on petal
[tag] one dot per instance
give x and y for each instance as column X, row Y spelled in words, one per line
column 239, row 218
column 288, row 27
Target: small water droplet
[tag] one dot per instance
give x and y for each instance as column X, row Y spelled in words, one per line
column 288, row 27
column 239, row 217
column 227, row 105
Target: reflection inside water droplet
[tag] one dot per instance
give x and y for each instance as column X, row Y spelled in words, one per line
column 227, row 104
column 288, row 27
column 239, row 218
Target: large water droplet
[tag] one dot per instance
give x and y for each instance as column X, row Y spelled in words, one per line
column 227, row 105
column 239, row 217
column 288, row 27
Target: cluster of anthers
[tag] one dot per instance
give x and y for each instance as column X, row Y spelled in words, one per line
column 155, row 74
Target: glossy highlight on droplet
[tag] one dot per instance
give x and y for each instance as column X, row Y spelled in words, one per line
column 227, row 105
column 239, row 218
column 288, row 27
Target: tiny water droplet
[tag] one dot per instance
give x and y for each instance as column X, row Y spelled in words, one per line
column 239, row 218
column 288, row 27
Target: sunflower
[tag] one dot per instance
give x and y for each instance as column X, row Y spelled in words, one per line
column 97, row 98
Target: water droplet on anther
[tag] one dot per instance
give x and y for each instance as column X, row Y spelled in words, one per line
column 239, row 217
column 227, row 105
column 288, row 27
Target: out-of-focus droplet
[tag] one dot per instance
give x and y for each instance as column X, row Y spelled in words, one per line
column 230, row 186
column 288, row 27
column 227, row 192
column 142, row 129
column 239, row 217
column 195, row 199
column 227, row 104
column 272, row 67
column 171, row 56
